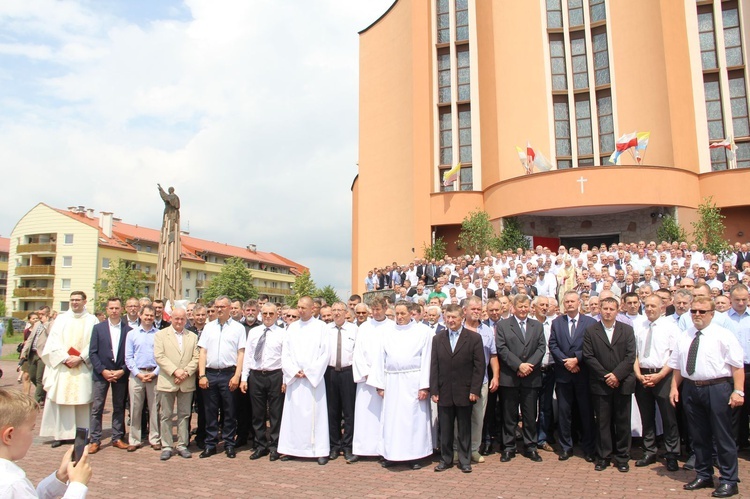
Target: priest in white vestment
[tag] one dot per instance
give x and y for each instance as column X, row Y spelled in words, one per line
column 401, row 375
column 304, row 359
column 368, row 405
column 67, row 377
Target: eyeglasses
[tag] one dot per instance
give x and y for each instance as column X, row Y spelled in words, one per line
column 699, row 312
column 268, row 313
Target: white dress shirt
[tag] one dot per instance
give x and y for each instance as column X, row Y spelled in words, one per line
column 348, row 337
column 222, row 343
column 718, row 352
column 115, row 332
column 270, row 358
column 15, row 485
column 664, row 333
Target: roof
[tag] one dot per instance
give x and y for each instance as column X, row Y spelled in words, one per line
column 381, row 17
column 125, row 236
column 4, row 245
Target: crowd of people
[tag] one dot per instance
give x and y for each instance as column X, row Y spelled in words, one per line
column 450, row 365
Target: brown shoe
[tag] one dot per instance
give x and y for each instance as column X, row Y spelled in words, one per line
column 156, row 446
column 119, row 444
column 546, row 447
column 133, row 448
column 93, row 448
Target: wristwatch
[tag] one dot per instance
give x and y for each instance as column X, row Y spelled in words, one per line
column 740, row 393
column 204, row 376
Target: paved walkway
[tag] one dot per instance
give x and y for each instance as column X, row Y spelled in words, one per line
column 118, row 473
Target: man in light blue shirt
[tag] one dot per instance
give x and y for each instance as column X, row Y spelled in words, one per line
column 740, row 316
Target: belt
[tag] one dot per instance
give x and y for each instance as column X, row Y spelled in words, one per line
column 345, row 368
column 648, row 370
column 265, row 372
column 224, row 370
column 147, row 369
column 708, row 382
column 548, row 368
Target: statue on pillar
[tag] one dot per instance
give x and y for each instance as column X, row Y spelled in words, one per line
column 169, row 264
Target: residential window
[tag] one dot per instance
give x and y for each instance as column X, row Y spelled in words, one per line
column 562, row 127
column 137, row 247
column 606, row 123
column 67, row 261
column 464, row 77
column 706, row 36
column 105, row 263
column 583, row 125
column 578, row 56
column 462, row 20
column 597, row 10
column 64, row 306
column 443, row 22
column 730, row 19
column 554, row 14
column 575, row 13
column 446, row 136
column 65, row 284
column 187, row 274
column 148, row 249
column 713, row 107
column 187, row 293
column 557, row 62
column 147, row 269
column 738, row 103
column 601, row 56
column 68, row 238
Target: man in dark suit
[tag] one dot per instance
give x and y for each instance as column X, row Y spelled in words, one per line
column 743, row 255
column 456, row 375
column 609, row 353
column 160, row 322
column 520, row 346
column 108, row 362
column 484, row 292
column 572, row 376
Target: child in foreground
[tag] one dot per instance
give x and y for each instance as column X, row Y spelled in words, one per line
column 18, row 414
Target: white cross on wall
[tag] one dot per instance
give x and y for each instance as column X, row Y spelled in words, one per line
column 581, row 181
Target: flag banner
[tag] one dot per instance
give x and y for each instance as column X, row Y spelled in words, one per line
column 451, row 175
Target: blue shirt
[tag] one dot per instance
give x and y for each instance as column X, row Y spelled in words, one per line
column 743, row 330
column 139, row 350
column 488, row 346
column 720, row 319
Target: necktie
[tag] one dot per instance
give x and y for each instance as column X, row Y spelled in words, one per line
column 693, row 353
column 454, row 339
column 338, row 350
column 523, row 328
column 572, row 327
column 647, row 346
column 259, row 347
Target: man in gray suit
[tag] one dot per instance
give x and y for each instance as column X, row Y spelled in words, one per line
column 520, row 346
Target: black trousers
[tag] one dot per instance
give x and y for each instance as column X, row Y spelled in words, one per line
column 264, row 390
column 448, row 417
column 710, row 421
column 546, row 419
column 572, row 396
column 647, row 399
column 512, row 398
column 612, row 413
column 740, row 415
column 493, row 416
column 341, row 392
column 244, row 413
column 216, row 396
column 119, row 394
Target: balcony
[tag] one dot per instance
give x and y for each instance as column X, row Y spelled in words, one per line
column 41, row 270
column 33, row 293
column 144, row 277
column 201, row 283
column 21, row 314
column 273, row 291
column 36, row 248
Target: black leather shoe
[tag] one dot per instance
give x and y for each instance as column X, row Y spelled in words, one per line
column 333, row 455
column 601, row 465
column 672, row 464
column 258, row 454
column 699, row 483
column 230, row 452
column 286, row 458
column 590, row 458
column 465, row 469
column 56, row 443
column 623, row 467
column 350, row 458
column 322, row 460
column 441, row 466
column 507, row 456
column 207, row 452
column 725, row 490
column 533, row 455
column 240, row 442
column 415, row 466
column 483, row 449
column 274, row 456
column 565, row 455
column 646, row 460
column 387, row 464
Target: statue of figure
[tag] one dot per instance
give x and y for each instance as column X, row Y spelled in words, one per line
column 169, row 263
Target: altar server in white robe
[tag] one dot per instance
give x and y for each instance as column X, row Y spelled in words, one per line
column 304, row 358
column 368, row 405
column 67, row 378
column 402, row 377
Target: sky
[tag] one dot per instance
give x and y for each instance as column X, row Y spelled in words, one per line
column 247, row 107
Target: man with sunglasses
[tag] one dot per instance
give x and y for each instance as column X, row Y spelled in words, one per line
column 709, row 360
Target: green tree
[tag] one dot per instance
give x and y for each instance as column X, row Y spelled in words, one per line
column 120, row 280
column 708, row 230
column 234, row 281
column 670, row 230
column 303, row 286
column 476, row 233
column 512, row 237
column 2, row 309
column 436, row 251
column 329, row 294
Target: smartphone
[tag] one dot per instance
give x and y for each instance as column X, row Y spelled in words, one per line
column 82, row 439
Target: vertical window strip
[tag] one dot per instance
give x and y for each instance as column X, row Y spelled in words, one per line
column 738, row 104
column 562, row 130
column 730, row 19
column 575, row 13
column 462, row 20
column 444, row 75
column 464, row 73
column 606, row 124
column 578, row 56
column 597, row 10
column 554, row 14
column 601, row 56
column 583, row 125
column 557, row 61
column 443, row 22
column 707, row 37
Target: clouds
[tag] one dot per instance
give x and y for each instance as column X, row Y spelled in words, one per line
column 248, row 108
